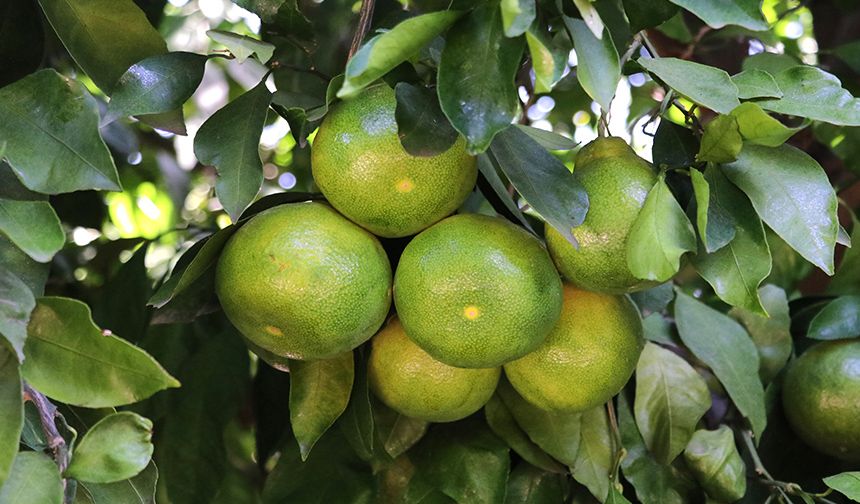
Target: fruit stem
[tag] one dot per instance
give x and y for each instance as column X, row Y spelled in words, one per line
column 47, row 414
column 365, row 16
column 616, row 439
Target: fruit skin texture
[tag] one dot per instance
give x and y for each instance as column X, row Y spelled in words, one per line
column 364, row 172
column 476, row 291
column 588, row 356
column 301, row 281
column 617, row 182
column 821, row 398
column 415, row 384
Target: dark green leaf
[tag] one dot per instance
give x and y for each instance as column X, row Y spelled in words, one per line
column 422, row 127
column 725, row 347
column 596, row 456
column 715, row 222
column 476, row 76
column 517, row 16
column 847, row 483
column 16, row 304
column 597, row 68
column 811, row 92
column 756, row 83
column 756, row 126
column 736, row 270
column 714, row 460
column 548, row 139
column 242, row 46
column 530, row 485
column 387, row 50
column 50, row 126
column 541, row 179
column 137, row 490
column 655, row 299
column 121, row 308
column 702, row 84
column 34, row 479
column 503, row 424
column 70, row 360
column 155, row 85
column 838, row 320
column 116, row 448
column 660, row 235
column 792, row 194
column 487, row 167
column 771, row 334
column 850, row 54
column 721, row 141
column 674, row 146
column 648, row 14
column 357, row 421
column 32, row 273
column 847, row 277
column 33, row 226
column 745, row 13
column 615, row 496
column 657, row 329
column 396, row 432
column 229, row 140
column 11, row 410
column 548, row 59
column 319, row 393
column 671, row 398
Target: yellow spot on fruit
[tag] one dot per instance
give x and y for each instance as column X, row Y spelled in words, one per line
column 405, row 185
column 274, row 331
column 471, row 312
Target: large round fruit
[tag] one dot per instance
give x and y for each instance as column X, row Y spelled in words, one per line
column 415, row 384
column 301, row 281
column 617, row 182
column 476, row 291
column 364, row 172
column 821, row 398
column 588, row 356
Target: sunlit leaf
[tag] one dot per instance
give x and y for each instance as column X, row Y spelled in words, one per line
column 116, row 448
column 517, row 16
column 716, row 224
column 702, row 84
column 714, row 460
column 813, row 93
column 597, row 68
column 756, row 126
column 33, row 226
column 721, row 141
column 847, row 483
column 242, row 46
column 745, row 13
column 756, row 83
column 548, row 59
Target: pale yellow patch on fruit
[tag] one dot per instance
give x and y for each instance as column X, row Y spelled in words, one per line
column 405, row 185
column 274, row 331
column 471, row 312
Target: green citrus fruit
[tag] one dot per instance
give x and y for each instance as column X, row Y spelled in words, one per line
column 476, row 291
column 588, row 356
column 821, row 398
column 364, row 172
column 617, row 182
column 301, row 281
column 413, row 383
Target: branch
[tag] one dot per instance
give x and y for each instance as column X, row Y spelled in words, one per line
column 47, row 416
column 365, row 16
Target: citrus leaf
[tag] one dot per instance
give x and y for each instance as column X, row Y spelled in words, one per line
column 33, row 274
column 756, row 126
column 591, row 16
column 702, row 84
column 745, row 13
column 528, row 484
column 487, row 167
column 319, row 393
column 725, row 347
column 549, row 140
column 16, row 304
column 397, row 432
column 422, row 127
column 596, row 456
column 715, row 222
column 542, row 179
column 137, row 490
column 792, row 194
column 33, row 226
column 517, row 16
column 660, row 235
column 117, row 447
column 357, row 420
column 771, row 334
column 714, row 460
column 615, row 496
column 50, row 127
column 598, row 69
column 847, row 483
column 721, row 141
column 69, row 359
column 229, row 140
column 33, row 479
column 154, row 85
column 476, row 77
column 11, row 410
column 385, row 51
column 840, row 319
column 503, row 424
column 242, row 46
column 548, row 60
column 756, row 83
column 671, row 398
column 813, row 93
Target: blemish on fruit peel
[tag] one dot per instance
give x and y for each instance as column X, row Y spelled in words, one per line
column 405, row 185
column 274, row 331
column 471, row 312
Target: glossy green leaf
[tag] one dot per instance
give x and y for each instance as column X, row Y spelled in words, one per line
column 319, row 393
column 756, row 83
column 736, row 270
column 702, row 84
column 33, row 479
column 660, row 235
column 813, row 93
column 648, row 14
column 385, row 51
column 715, row 222
column 548, row 59
column 50, row 127
column 674, row 146
column 33, row 226
column 242, row 46
column 847, row 483
column 476, row 77
column 556, row 432
column 549, row 140
column 714, row 460
column 671, row 398
column 840, row 319
column 489, row 168
column 725, row 347
column 422, row 127
column 503, row 424
column 591, row 16
column 69, row 359
column 598, row 69
column 229, row 140
column 530, row 485
column 157, row 84
column 357, row 420
column 792, row 194
column 756, row 126
column 745, row 13
column 137, row 490
column 116, row 448
column 596, row 455
column 542, row 179
column 517, row 16
column 16, row 304
column 11, row 410
column 771, row 334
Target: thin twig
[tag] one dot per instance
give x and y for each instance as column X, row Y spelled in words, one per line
column 47, row 417
column 365, row 17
